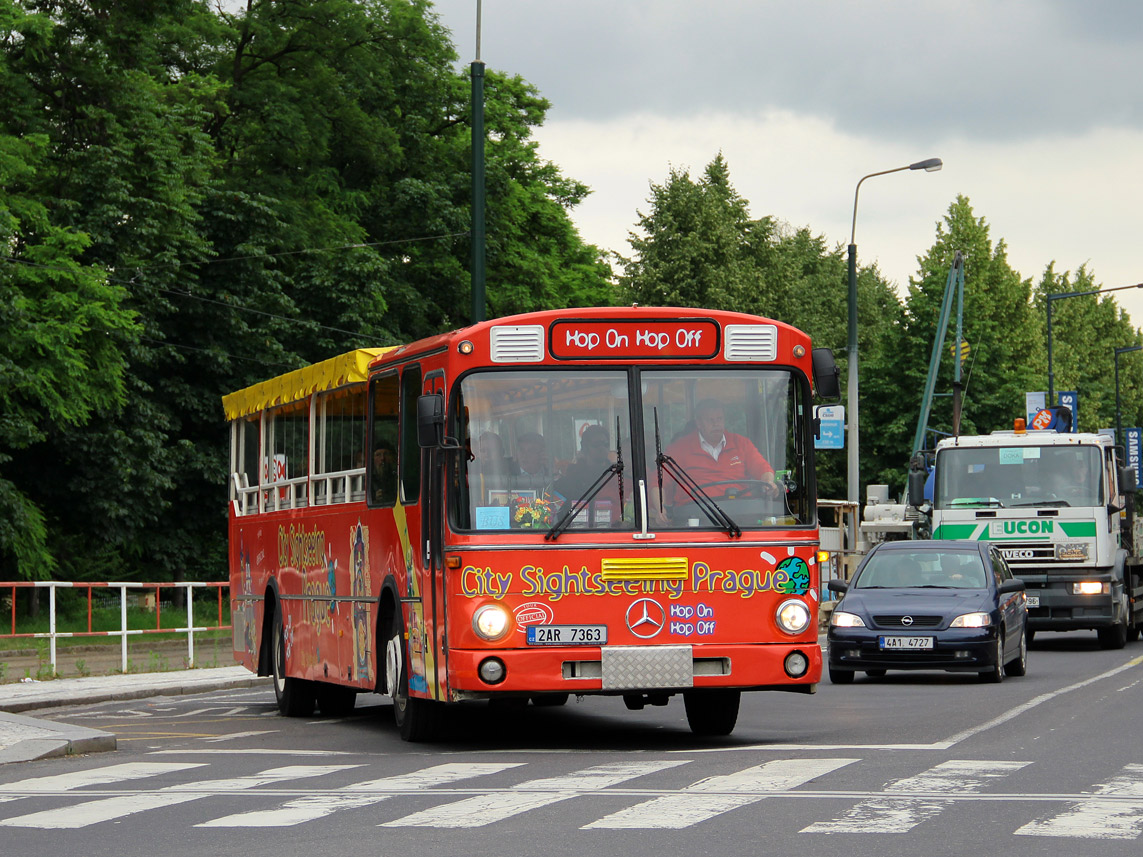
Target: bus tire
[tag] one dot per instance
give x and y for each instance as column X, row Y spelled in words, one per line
column 334, row 700
column 417, row 719
column 712, row 712
column 295, row 696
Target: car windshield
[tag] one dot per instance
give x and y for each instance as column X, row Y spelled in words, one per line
column 901, row 569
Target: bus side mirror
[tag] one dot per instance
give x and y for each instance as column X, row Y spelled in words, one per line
column 430, row 420
column 827, row 377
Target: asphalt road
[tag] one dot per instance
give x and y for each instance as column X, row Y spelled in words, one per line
column 914, row 763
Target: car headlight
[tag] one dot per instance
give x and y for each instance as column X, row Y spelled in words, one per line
column 971, row 620
column 841, row 619
column 793, row 616
column 490, row 622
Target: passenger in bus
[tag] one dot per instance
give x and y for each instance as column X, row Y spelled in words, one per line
column 489, row 467
column 384, row 484
column 593, row 459
column 710, row 454
column 530, row 470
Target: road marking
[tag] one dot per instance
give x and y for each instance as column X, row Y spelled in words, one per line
column 250, row 751
column 715, row 795
column 884, row 814
column 1106, row 819
column 93, row 777
column 231, row 736
column 107, row 809
column 352, row 797
column 489, row 808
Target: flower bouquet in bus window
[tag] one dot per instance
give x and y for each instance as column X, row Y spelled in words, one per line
column 530, row 510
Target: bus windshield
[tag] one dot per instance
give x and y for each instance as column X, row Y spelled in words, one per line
column 537, row 441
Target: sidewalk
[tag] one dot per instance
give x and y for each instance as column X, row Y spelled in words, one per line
column 24, row 738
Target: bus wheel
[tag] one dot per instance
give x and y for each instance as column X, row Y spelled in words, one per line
column 544, row 700
column 416, row 719
column 333, row 700
column 295, row 696
column 712, row 712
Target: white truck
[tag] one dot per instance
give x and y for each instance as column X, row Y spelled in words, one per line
column 1060, row 507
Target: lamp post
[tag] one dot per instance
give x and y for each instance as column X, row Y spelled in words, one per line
column 1118, row 413
column 478, row 229
column 931, row 165
column 1059, row 296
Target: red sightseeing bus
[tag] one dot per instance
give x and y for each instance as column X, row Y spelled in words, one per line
column 529, row 508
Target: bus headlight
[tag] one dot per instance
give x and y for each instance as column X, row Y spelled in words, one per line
column 971, row 620
column 490, row 622
column 793, row 616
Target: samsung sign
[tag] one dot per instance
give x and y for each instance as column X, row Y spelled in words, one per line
column 1133, row 439
column 1008, row 529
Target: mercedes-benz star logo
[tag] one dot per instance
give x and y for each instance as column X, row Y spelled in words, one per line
column 906, row 620
column 645, row 618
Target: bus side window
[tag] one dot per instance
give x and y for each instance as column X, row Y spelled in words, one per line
column 382, row 461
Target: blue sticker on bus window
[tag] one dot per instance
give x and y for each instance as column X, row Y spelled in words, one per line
column 493, row 517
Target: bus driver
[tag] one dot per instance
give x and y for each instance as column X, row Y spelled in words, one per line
column 710, row 454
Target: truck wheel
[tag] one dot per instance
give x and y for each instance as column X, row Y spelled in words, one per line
column 1114, row 637
column 295, row 696
column 417, row 719
column 712, row 712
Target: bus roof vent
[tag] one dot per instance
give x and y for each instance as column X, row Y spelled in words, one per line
column 522, row 343
column 751, row 343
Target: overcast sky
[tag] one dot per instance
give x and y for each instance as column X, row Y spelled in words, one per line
column 1036, row 109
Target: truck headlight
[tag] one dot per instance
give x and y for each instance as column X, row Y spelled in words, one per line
column 971, row 620
column 1091, row 587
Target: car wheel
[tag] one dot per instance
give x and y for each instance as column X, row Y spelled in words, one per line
column 1018, row 666
column 995, row 674
column 416, row 719
column 712, row 712
column 295, row 696
column 876, row 673
column 1114, row 637
column 840, row 676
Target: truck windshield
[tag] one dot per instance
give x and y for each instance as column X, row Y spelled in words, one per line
column 1010, row 476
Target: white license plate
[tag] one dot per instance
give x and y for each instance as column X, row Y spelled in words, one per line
column 567, row 635
column 1033, row 600
column 905, row 642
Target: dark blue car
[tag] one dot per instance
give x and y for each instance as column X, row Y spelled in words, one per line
column 929, row 605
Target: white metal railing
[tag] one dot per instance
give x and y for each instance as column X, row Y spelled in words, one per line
column 341, row 486
column 52, row 634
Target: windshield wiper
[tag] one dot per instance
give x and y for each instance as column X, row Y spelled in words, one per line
column 703, row 500
column 612, row 470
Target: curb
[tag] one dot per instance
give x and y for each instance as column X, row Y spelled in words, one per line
column 56, row 739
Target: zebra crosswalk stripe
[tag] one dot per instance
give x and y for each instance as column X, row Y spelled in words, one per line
column 487, row 809
column 1099, row 819
column 357, row 795
column 106, row 809
column 93, row 777
column 715, row 795
column 899, row 815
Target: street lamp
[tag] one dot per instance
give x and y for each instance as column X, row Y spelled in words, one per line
column 1056, row 297
column 930, row 166
column 1118, row 414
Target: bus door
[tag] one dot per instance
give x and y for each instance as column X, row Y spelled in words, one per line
column 433, row 502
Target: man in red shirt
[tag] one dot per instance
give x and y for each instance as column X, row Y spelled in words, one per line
column 712, row 454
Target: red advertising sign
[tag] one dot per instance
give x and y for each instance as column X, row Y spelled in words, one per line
column 627, row 340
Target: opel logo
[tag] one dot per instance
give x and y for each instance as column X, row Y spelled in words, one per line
column 906, row 620
column 645, row 618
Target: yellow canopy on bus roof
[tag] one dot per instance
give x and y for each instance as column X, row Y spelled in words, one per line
column 347, row 368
